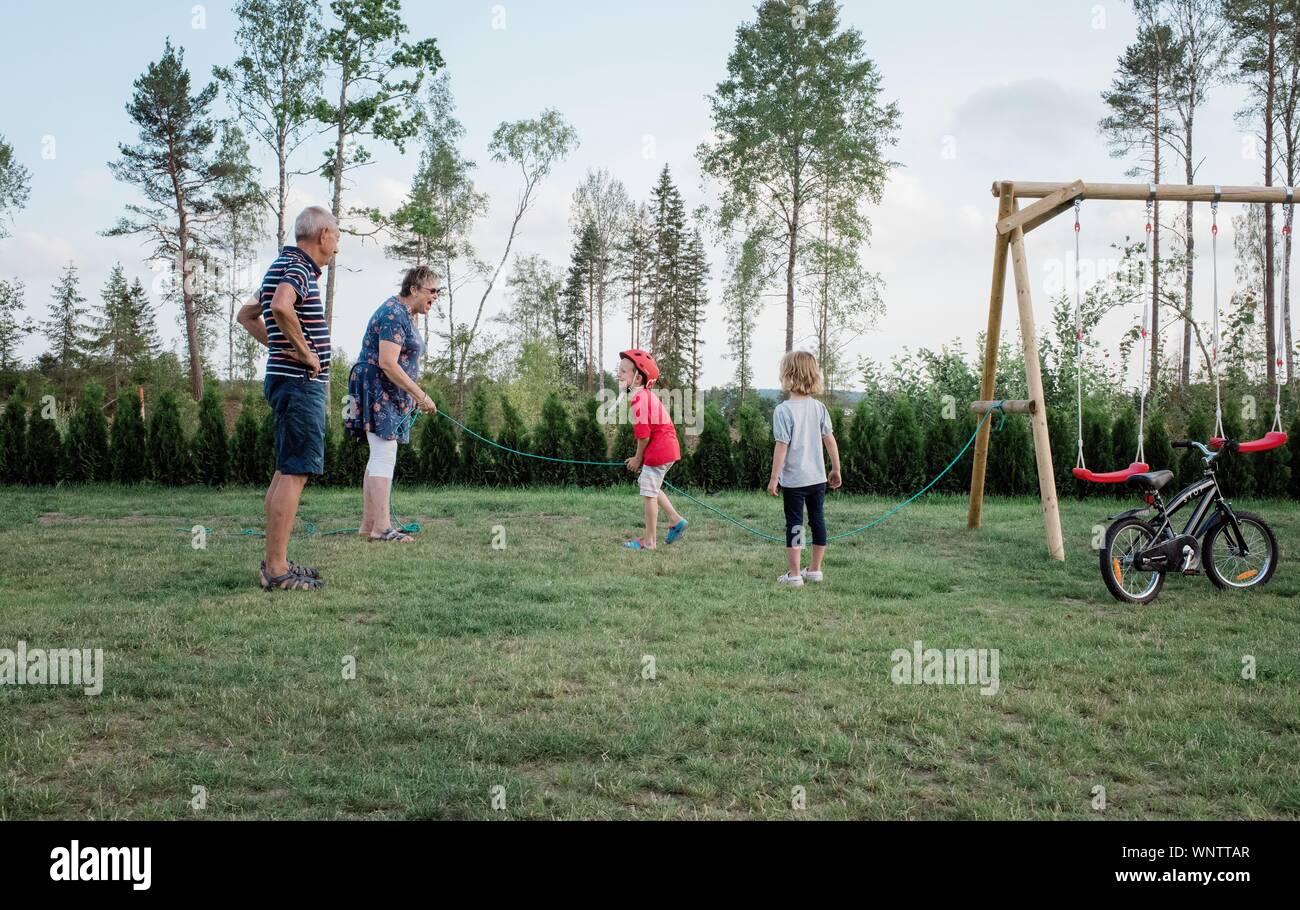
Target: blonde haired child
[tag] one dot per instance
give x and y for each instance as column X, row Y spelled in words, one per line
column 801, row 425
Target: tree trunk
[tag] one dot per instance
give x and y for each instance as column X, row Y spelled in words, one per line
column 282, row 159
column 789, row 273
column 338, row 195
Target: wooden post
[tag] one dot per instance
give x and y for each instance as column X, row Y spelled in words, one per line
column 1038, row 419
column 1006, row 205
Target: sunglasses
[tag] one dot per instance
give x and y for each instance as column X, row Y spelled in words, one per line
column 434, row 291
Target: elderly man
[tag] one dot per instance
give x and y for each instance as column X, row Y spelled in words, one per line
column 289, row 318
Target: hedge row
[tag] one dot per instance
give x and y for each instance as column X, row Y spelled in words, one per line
column 889, row 445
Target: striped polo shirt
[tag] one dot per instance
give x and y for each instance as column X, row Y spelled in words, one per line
column 300, row 271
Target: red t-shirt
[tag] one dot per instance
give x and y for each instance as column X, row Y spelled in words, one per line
column 650, row 420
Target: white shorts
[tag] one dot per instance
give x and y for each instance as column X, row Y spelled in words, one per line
column 652, row 478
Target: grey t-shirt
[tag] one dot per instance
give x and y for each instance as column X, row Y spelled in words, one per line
column 801, row 423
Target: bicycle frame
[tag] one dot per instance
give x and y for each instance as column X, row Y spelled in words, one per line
column 1208, row 498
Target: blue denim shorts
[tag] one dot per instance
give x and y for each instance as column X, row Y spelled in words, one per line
column 299, row 407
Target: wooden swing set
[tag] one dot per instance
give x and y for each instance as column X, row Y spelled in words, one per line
column 1013, row 224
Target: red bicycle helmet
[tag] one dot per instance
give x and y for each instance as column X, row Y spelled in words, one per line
column 643, row 362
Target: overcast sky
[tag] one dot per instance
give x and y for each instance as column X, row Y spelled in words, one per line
column 1005, row 89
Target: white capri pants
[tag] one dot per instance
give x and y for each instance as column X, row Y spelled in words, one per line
column 383, row 456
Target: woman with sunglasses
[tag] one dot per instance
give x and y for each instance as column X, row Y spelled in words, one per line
column 383, row 390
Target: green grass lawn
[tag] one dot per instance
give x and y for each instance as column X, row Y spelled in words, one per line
column 522, row 668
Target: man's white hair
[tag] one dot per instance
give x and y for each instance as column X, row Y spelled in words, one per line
column 311, row 221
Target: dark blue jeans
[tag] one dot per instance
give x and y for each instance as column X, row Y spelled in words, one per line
column 795, row 499
column 299, row 407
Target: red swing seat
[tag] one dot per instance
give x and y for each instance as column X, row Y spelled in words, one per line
column 1270, row 440
column 1136, row 467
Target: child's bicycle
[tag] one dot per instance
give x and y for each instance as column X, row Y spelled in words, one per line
column 1237, row 549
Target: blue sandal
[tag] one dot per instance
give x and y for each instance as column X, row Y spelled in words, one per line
column 676, row 531
column 635, row 545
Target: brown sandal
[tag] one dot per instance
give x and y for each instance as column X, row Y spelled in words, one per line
column 289, row 581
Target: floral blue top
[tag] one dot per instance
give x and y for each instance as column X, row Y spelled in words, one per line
column 375, row 404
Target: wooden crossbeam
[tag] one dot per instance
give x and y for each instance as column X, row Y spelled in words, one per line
column 1043, row 210
column 1139, row 192
column 1017, row 406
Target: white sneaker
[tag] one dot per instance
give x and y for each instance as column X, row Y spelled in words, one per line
column 810, row 575
column 786, row 581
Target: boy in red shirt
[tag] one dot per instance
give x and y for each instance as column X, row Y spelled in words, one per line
column 656, row 445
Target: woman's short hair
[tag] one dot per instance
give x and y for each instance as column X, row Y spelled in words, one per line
column 416, row 277
column 799, row 373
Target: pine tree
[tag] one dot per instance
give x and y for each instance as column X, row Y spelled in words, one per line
column 14, row 326
column 1293, row 458
column 245, row 463
column 266, row 446
column 439, row 461
column 1191, row 465
column 85, row 449
column 65, row 329
column 44, row 446
column 553, row 439
column 1096, row 448
column 590, row 444
column 901, row 449
column 859, row 456
column 169, row 460
column 1159, row 453
column 711, row 468
column 669, row 297
column 211, row 452
column 127, row 449
column 125, row 336
column 1236, row 478
column 943, row 437
column 1123, row 448
column 753, row 453
column 512, row 470
column 13, row 438
column 476, row 457
column 176, row 172
column 1011, row 468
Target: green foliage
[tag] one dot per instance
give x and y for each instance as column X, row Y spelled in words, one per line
column 553, row 439
column 902, row 455
column 211, row 452
column 1160, row 454
column 753, row 452
column 1011, row 469
column 1236, row 478
column 13, row 438
column 246, row 462
column 711, row 467
column 1123, row 450
column 168, row 453
column 438, row 459
column 44, row 447
column 1293, row 458
column 861, row 451
column 127, row 449
column 347, row 457
column 1191, row 466
column 266, row 445
column 85, row 449
column 512, row 470
column 590, row 444
column 477, row 464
